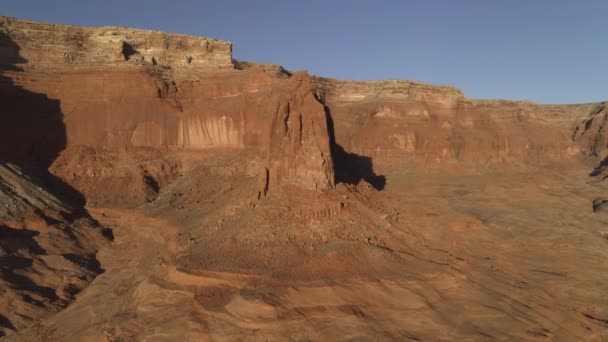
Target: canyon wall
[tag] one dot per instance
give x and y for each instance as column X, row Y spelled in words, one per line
column 70, row 47
column 117, row 89
column 408, row 123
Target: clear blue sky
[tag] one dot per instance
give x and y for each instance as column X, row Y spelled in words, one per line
column 549, row 51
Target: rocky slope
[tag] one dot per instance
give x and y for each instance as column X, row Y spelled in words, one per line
column 250, row 202
column 47, row 250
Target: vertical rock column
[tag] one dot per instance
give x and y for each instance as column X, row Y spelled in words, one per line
column 299, row 151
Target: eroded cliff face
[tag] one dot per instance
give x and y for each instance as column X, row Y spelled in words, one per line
column 70, row 47
column 116, row 89
column 414, row 124
column 591, row 134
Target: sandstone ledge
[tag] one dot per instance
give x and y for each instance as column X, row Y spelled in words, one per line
column 42, row 45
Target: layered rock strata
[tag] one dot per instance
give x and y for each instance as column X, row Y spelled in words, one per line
column 116, row 88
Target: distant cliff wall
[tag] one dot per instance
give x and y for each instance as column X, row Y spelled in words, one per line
column 405, row 124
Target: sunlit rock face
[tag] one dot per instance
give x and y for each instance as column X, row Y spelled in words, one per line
column 118, row 88
column 397, row 122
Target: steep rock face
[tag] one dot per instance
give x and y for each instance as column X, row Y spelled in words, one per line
column 404, row 123
column 65, row 46
column 48, row 242
column 591, row 134
column 118, row 89
column 590, row 137
column 299, row 144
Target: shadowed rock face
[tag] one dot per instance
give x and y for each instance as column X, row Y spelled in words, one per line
column 591, row 134
column 250, row 202
column 33, row 129
column 47, row 241
column 47, row 249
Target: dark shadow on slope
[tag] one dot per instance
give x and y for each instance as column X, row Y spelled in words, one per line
column 351, row 168
column 15, row 243
column 13, row 240
column 6, row 324
column 85, row 261
column 9, row 54
column 32, row 133
column 24, row 284
column 151, row 183
column 603, row 165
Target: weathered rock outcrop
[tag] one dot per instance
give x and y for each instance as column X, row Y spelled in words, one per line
column 591, row 134
column 344, row 91
column 407, row 123
column 47, row 249
column 64, row 46
column 115, row 88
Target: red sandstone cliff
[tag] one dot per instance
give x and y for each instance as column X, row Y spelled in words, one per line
column 115, row 89
column 409, row 123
